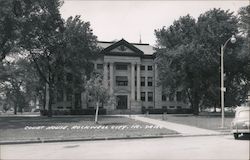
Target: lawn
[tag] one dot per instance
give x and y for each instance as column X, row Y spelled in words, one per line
column 212, row 122
column 67, row 127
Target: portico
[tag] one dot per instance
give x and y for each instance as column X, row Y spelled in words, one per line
column 131, row 72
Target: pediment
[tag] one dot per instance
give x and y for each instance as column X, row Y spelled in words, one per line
column 122, row 48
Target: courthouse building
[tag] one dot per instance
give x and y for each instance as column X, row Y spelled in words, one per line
column 131, row 75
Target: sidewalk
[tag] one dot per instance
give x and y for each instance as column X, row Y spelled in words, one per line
column 184, row 130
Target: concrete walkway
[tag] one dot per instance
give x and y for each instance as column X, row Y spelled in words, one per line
column 185, row 130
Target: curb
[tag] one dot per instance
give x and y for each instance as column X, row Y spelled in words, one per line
column 105, row 138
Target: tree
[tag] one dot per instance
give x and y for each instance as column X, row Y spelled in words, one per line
column 98, row 93
column 176, row 56
column 79, row 48
column 188, row 54
column 214, row 27
column 33, row 27
column 244, row 56
column 10, row 20
column 57, row 48
column 244, row 20
column 41, row 39
column 17, row 83
column 181, row 32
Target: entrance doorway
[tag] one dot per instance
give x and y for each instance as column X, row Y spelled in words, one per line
column 122, row 102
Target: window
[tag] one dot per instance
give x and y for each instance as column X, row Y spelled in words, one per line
column 59, row 95
column 142, row 81
column 121, row 67
column 171, row 97
column 99, row 66
column 150, row 68
column 172, row 107
column 142, row 67
column 178, row 96
column 150, row 81
column 78, row 100
column 69, row 95
column 142, row 96
column 163, row 97
column 150, row 96
column 164, row 107
column 121, row 80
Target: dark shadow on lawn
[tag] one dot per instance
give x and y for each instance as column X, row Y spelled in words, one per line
column 205, row 114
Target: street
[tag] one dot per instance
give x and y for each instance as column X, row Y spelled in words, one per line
column 203, row 147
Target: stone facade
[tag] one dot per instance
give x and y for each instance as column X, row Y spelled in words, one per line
column 130, row 73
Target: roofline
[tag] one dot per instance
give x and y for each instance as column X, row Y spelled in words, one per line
column 118, row 41
column 124, row 42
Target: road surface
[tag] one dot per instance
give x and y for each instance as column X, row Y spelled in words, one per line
column 203, row 147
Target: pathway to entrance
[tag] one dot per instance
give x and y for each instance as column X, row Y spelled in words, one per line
column 182, row 129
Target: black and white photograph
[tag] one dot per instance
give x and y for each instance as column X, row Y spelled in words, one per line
column 124, row 80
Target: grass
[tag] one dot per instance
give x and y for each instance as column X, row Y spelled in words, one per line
column 212, row 122
column 66, row 127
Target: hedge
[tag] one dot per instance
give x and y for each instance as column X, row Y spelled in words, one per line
column 168, row 111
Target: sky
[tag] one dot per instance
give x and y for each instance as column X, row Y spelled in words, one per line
column 130, row 20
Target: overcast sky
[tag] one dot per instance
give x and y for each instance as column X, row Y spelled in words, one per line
column 113, row 20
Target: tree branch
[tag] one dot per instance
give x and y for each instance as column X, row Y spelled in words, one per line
column 38, row 68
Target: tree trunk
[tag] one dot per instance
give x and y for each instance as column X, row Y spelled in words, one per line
column 195, row 104
column 15, row 107
column 196, row 109
column 47, row 97
column 50, row 100
column 96, row 112
column 214, row 108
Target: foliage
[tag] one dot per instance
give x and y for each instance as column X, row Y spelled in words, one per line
column 244, row 56
column 78, row 49
column 98, row 93
column 58, row 49
column 180, row 33
column 18, row 84
column 244, row 20
column 9, row 26
column 189, row 58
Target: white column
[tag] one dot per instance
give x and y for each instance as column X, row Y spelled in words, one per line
column 132, row 81
column 105, row 75
column 138, row 82
column 156, row 74
column 111, row 70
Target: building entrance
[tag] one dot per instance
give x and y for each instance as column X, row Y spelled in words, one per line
column 122, row 102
